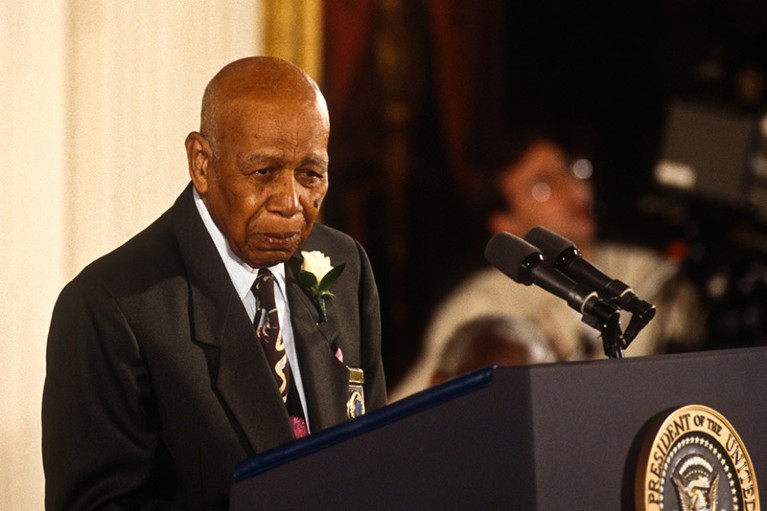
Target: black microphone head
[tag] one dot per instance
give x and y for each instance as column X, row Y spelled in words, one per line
column 552, row 245
column 513, row 256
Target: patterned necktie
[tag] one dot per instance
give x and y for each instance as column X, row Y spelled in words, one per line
column 267, row 325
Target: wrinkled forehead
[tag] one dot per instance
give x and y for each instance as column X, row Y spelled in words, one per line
column 248, row 111
column 269, row 88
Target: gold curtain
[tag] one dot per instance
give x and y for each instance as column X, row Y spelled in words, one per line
column 293, row 32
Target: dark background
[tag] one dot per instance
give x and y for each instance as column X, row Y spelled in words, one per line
column 420, row 92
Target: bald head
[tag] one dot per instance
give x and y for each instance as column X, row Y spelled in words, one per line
column 264, row 79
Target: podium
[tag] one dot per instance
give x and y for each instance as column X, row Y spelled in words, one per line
column 549, row 437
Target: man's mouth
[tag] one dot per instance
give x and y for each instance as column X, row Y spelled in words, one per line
column 278, row 240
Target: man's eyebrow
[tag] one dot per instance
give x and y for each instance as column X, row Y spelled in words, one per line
column 316, row 159
column 260, row 158
column 267, row 157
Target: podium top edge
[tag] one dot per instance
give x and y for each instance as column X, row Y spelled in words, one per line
column 373, row 420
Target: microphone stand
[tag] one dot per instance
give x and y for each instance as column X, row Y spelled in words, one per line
column 613, row 341
column 642, row 313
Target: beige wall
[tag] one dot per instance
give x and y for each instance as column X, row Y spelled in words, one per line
column 96, row 98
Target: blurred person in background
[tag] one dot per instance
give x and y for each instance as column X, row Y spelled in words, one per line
column 537, row 184
column 491, row 340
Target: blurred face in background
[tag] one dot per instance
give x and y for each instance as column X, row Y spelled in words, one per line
column 542, row 189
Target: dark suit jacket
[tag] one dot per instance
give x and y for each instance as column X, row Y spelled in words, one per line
column 156, row 386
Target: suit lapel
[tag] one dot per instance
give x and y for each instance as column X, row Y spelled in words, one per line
column 325, row 379
column 239, row 371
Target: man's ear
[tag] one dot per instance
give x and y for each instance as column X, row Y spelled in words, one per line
column 198, row 155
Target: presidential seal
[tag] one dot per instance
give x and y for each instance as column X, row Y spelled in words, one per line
column 693, row 460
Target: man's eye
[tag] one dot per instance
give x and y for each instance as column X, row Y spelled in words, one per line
column 312, row 175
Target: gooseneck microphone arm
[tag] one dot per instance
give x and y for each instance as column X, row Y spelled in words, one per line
column 525, row 264
column 566, row 257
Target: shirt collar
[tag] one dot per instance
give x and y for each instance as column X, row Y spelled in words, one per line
column 241, row 274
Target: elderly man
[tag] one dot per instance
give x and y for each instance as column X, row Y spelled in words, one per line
column 158, row 381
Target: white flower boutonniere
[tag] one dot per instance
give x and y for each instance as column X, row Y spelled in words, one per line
column 317, row 275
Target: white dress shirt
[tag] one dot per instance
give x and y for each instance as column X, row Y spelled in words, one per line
column 243, row 277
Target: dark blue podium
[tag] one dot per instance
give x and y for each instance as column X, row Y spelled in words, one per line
column 549, row 437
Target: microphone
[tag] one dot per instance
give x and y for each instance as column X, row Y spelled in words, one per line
column 566, row 257
column 524, row 263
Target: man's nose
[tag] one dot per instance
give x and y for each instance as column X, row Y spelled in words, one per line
column 284, row 197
